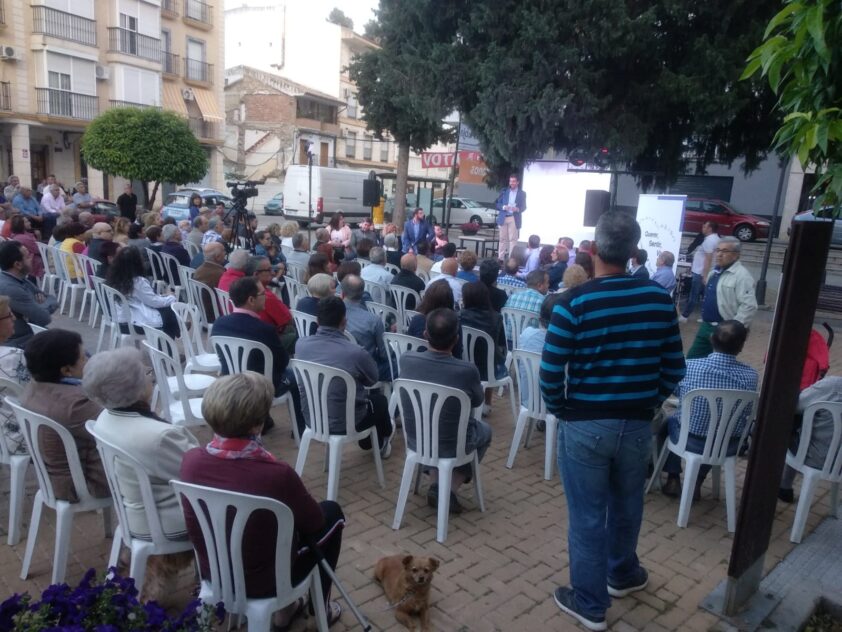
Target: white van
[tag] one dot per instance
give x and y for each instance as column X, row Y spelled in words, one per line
column 333, row 190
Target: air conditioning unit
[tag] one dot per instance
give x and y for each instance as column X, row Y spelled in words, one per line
column 103, row 72
column 9, row 53
column 188, row 95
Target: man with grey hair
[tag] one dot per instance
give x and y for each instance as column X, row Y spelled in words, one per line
column 376, row 270
column 300, row 254
column 367, row 328
column 197, row 234
column 729, row 295
column 391, row 246
column 612, row 355
column 236, row 268
column 664, row 276
column 172, row 245
column 211, row 234
column 52, row 204
column 11, row 189
column 449, row 268
column 274, row 313
column 100, row 233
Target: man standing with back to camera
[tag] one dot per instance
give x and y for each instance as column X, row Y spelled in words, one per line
column 612, row 355
column 510, row 204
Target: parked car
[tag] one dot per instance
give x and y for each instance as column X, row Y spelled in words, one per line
column 177, row 205
column 275, row 206
column 824, row 214
column 106, row 208
column 464, row 211
column 741, row 225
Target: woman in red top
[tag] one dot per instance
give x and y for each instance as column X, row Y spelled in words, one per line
column 21, row 232
column 237, row 461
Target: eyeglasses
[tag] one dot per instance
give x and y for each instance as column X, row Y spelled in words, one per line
column 726, row 250
column 259, row 294
column 7, row 316
column 264, row 269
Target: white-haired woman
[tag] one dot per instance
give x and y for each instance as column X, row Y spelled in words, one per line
column 117, row 381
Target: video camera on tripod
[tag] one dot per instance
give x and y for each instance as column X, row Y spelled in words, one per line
column 240, row 226
column 241, row 191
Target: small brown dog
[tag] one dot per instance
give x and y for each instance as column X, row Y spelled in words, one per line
column 406, row 580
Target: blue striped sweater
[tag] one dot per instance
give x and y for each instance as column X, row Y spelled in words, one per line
column 613, row 350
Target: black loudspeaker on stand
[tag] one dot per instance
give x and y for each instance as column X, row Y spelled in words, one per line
column 371, row 193
column 596, row 203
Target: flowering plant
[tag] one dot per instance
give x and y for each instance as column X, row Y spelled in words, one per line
column 470, row 228
column 110, row 605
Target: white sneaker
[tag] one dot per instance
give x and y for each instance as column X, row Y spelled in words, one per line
column 486, row 410
column 682, row 319
column 386, row 450
column 700, row 320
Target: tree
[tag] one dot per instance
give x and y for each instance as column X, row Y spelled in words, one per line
column 144, row 144
column 337, row 16
column 371, row 31
column 802, row 60
column 399, row 83
column 657, row 82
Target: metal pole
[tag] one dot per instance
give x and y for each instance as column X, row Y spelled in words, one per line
column 309, row 182
column 760, row 288
column 445, row 220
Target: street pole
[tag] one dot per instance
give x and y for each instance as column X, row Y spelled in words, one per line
column 760, row 288
column 310, row 180
column 445, row 220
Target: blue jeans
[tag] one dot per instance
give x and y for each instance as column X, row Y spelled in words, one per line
column 603, row 467
column 695, row 444
column 697, row 289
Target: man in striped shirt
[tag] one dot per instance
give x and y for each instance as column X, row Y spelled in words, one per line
column 612, row 355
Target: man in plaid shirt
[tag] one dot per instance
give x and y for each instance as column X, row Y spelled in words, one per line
column 719, row 370
column 509, row 275
column 530, row 300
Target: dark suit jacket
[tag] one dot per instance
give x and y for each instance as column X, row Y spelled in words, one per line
column 251, row 328
column 408, row 240
column 642, row 271
column 503, row 199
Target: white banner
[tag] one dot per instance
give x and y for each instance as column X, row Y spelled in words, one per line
column 660, row 218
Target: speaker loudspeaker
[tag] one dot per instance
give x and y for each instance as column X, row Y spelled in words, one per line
column 596, row 203
column 371, row 193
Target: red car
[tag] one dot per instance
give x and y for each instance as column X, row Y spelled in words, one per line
column 744, row 227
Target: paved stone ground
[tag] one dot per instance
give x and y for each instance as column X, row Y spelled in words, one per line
column 498, row 568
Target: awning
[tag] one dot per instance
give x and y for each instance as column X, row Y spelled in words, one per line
column 173, row 100
column 206, row 101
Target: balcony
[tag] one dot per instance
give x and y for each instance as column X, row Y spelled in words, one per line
column 63, row 25
column 133, row 43
column 169, row 8
column 198, row 71
column 52, row 102
column 2, row 13
column 203, row 129
column 5, row 96
column 170, row 63
column 114, row 103
column 198, row 14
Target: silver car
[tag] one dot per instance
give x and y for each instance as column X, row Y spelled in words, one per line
column 824, row 214
column 464, row 210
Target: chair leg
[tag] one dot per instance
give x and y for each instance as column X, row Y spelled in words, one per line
column 292, row 420
column 106, row 522
column 116, row 544
column 302, row 451
column 834, row 500
column 334, row 469
column 714, row 481
column 64, row 524
column 403, row 494
column 478, row 483
column 318, row 600
column 691, row 473
column 137, row 567
column 549, row 450
column 378, row 462
column 34, row 521
column 445, row 474
column 730, row 468
column 659, row 465
column 17, row 490
column 518, row 436
column 418, row 471
column 805, row 499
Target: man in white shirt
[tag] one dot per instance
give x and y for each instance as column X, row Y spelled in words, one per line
column 376, row 271
column 702, row 261
column 448, row 252
column 52, row 204
column 449, row 268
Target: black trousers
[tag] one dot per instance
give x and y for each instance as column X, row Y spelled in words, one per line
column 169, row 327
column 378, row 416
column 329, row 540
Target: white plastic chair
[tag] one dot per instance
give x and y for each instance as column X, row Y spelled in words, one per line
column 830, row 471
column 426, row 400
column 424, row 276
column 159, row 273
column 118, row 308
column 71, row 280
column 195, row 383
column 515, row 321
column 470, row 338
column 86, row 269
column 234, row 353
column 203, row 296
column 17, row 470
column 295, row 290
column 191, row 247
column 383, row 311
column 177, row 407
column 527, row 364
column 297, row 272
column 396, row 346
column 315, row 380
column 378, row 291
column 305, row 324
column 401, row 296
column 51, row 281
column 197, row 357
column 31, row 424
column 172, row 273
column 157, row 543
column 725, row 407
column 391, row 267
column 214, row 509
column 226, row 305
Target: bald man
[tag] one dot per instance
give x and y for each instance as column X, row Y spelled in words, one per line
column 449, row 268
column 407, row 277
column 101, row 232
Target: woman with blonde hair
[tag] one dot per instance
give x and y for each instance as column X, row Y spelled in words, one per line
column 288, row 231
column 121, row 230
column 573, row 276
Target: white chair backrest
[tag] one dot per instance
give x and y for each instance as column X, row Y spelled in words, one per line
column 86, row 267
column 725, row 407
column 515, row 321
column 397, row 345
column 226, row 305
column 121, row 468
column 190, row 326
column 156, row 266
column 286, row 250
column 171, row 270
column 383, row 312
column 66, row 266
column 420, row 403
column 401, row 296
column 423, row 275
column 202, row 296
column 470, row 339
column 191, row 247
column 378, row 291
column 295, row 290
column 315, row 381
column 391, row 267
column 48, row 257
column 118, row 305
column 528, row 365
column 832, row 467
column 186, row 273
column 9, row 388
column 297, row 272
column 166, row 367
column 305, row 324
column 235, row 353
column 363, row 263
column 32, row 427
column 215, row 509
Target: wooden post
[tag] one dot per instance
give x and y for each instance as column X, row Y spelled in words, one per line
column 800, row 283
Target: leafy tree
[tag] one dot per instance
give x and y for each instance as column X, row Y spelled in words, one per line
column 400, row 83
column 337, row 16
column 802, row 60
column 144, row 144
column 655, row 82
column 371, row 31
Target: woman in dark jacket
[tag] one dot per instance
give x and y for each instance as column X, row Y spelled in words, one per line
column 438, row 295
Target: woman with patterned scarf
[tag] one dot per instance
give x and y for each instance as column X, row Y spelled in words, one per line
column 235, row 407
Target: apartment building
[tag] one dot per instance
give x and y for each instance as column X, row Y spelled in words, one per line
column 63, row 62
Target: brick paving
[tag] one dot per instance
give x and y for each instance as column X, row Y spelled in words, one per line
column 498, row 568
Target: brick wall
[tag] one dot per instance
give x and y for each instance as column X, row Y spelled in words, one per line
column 269, row 108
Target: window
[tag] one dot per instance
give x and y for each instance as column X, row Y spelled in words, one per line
column 384, row 151
column 367, row 146
column 61, row 100
column 350, row 144
column 351, row 110
column 195, row 63
column 309, row 109
column 128, row 34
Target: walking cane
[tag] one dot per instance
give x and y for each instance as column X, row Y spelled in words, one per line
column 327, row 569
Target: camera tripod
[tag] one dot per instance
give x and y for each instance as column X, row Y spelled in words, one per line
column 240, row 227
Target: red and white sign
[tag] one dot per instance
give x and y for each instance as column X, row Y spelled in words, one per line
column 437, row 159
